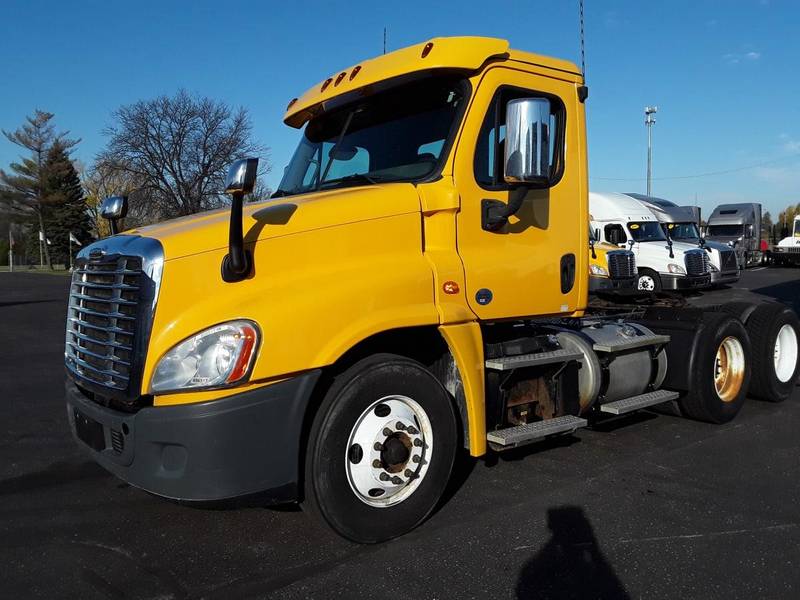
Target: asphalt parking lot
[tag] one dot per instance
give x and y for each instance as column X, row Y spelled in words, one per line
column 653, row 506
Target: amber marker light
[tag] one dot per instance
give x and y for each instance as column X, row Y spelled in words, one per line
column 249, row 336
column 450, row 287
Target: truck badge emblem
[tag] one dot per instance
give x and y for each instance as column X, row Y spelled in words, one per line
column 483, row 296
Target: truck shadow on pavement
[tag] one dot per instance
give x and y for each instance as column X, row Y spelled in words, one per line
column 571, row 564
column 787, row 292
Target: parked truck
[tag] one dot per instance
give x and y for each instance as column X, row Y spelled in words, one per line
column 663, row 264
column 787, row 251
column 612, row 270
column 680, row 223
column 738, row 225
column 417, row 284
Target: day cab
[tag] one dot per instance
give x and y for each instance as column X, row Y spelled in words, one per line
column 416, row 285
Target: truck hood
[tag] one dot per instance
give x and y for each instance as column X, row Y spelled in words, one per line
column 267, row 219
column 789, row 241
column 655, row 255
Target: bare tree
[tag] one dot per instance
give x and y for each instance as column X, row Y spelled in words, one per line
column 176, row 151
column 22, row 191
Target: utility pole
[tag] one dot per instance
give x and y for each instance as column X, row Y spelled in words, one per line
column 649, row 121
column 10, row 249
column 384, row 40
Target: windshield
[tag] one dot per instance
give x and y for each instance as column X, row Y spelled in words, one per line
column 725, row 230
column 682, row 231
column 647, row 231
column 396, row 135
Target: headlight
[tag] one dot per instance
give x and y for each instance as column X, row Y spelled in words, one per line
column 713, row 268
column 216, row 357
column 673, row 268
column 598, row 270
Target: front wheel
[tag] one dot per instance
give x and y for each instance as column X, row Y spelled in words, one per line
column 648, row 281
column 381, row 449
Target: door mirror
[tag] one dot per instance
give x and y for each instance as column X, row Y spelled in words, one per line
column 114, row 208
column 528, row 141
column 241, row 177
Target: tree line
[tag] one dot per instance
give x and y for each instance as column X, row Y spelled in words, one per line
column 168, row 154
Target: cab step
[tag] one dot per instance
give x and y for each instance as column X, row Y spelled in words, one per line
column 630, row 343
column 511, row 437
column 506, row 363
column 626, row 405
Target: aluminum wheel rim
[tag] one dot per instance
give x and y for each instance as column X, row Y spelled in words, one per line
column 388, row 452
column 646, row 283
column 729, row 368
column 785, row 357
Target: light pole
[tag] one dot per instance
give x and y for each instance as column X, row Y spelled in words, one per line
column 649, row 121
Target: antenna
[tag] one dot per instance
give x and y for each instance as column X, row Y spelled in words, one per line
column 384, row 40
column 583, row 52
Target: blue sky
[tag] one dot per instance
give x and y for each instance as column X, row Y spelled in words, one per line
column 723, row 73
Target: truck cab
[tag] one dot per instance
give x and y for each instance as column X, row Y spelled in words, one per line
column 415, row 288
column 662, row 264
column 612, row 270
column 739, row 226
column 787, row 251
column 680, row 223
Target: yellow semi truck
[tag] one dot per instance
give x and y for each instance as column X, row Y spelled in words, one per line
column 417, row 284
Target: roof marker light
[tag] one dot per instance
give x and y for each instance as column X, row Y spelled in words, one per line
column 326, row 84
column 427, row 49
column 291, row 103
column 354, row 72
column 339, row 78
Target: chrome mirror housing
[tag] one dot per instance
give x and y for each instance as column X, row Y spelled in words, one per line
column 527, row 145
column 114, row 208
column 241, row 177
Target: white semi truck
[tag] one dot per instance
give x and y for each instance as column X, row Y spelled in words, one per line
column 680, row 223
column 663, row 264
column 787, row 251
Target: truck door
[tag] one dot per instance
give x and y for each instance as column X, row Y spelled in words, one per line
column 537, row 263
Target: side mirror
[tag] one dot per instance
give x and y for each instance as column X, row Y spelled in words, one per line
column 241, row 177
column 241, row 180
column 527, row 145
column 112, row 209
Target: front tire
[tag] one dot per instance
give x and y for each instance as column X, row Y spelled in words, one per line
column 648, row 281
column 381, row 449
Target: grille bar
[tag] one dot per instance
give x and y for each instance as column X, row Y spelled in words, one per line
column 105, row 357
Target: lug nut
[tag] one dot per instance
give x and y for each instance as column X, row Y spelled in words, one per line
column 410, row 474
column 397, row 480
column 419, row 443
column 412, row 430
column 400, row 426
column 387, row 432
column 377, row 463
column 378, row 446
column 416, row 459
column 384, row 477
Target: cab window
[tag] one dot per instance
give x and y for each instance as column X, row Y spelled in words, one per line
column 615, row 234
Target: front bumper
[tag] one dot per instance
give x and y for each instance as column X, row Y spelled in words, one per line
column 607, row 285
column 244, row 444
column 721, row 277
column 670, row 281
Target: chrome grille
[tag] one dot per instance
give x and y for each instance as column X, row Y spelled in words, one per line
column 110, row 313
column 791, row 249
column 621, row 264
column 727, row 260
column 697, row 262
column 101, row 320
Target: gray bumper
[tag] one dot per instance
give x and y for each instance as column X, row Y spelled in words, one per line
column 611, row 286
column 721, row 277
column 684, row 282
column 244, row 444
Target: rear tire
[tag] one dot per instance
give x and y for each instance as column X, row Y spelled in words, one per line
column 721, row 370
column 775, row 335
column 369, row 479
column 648, row 281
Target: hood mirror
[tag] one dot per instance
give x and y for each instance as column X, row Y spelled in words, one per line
column 241, row 177
column 241, row 180
column 113, row 209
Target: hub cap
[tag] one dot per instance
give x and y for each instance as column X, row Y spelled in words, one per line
column 646, row 283
column 389, row 451
column 729, row 367
column 785, row 353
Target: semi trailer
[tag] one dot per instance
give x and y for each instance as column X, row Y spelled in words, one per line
column 739, row 226
column 415, row 289
column 663, row 264
column 680, row 223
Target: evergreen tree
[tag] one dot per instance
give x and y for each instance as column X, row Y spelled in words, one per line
column 22, row 190
column 67, row 210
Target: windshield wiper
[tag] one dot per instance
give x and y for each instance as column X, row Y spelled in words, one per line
column 354, row 177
